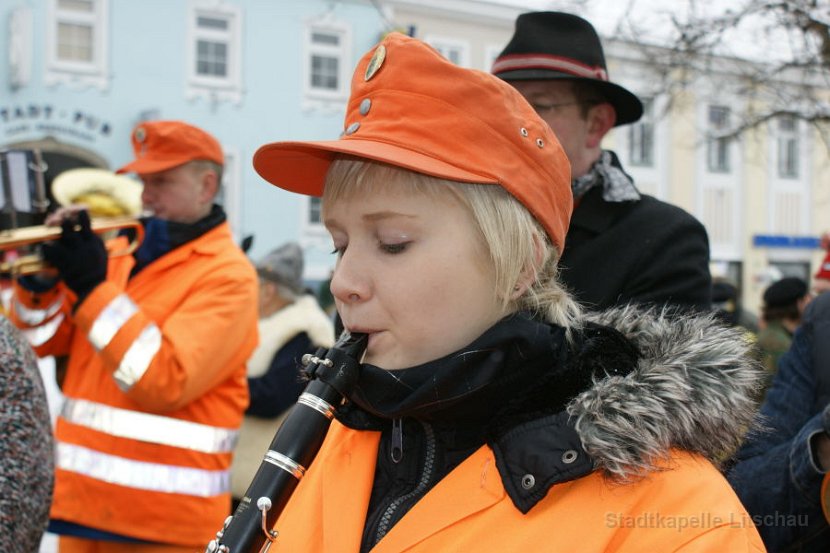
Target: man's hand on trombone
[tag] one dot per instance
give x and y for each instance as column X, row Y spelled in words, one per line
column 79, row 254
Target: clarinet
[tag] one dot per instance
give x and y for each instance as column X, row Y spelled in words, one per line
column 296, row 443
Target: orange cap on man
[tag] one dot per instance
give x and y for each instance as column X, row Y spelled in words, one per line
column 162, row 145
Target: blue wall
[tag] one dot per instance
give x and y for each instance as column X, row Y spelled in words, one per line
column 147, row 58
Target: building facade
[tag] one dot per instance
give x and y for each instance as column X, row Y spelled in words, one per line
column 762, row 195
column 79, row 74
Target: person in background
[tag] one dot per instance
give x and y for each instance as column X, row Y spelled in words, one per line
column 821, row 280
column 489, row 412
column 778, row 471
column 291, row 323
column 784, row 304
column 623, row 246
column 26, row 447
column 726, row 303
column 157, row 341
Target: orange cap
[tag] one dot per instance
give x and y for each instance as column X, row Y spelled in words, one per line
column 411, row 108
column 162, row 145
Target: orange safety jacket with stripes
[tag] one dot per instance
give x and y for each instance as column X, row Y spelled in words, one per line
column 155, row 389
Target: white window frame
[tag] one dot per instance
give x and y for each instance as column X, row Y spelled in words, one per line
column 342, row 52
column 228, row 88
column 312, row 229
column 789, row 139
column 21, row 33
column 444, row 45
column 314, row 235
column 646, row 126
column 720, row 182
column 93, row 73
column 788, row 186
column 715, row 142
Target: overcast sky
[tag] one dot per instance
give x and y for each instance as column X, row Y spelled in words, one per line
column 651, row 18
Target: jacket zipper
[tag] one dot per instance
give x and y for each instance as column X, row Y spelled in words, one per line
column 396, row 446
column 423, row 482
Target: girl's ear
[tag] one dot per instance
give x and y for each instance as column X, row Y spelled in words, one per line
column 528, row 276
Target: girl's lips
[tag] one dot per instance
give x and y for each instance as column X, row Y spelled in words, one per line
column 370, row 333
column 359, row 330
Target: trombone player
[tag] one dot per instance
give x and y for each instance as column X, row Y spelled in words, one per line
column 157, row 341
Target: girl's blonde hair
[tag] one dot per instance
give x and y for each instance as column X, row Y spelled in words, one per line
column 519, row 248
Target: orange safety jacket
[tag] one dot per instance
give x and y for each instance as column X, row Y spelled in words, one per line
column 155, row 389
column 687, row 507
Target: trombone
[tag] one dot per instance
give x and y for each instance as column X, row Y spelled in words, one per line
column 14, row 239
column 113, row 202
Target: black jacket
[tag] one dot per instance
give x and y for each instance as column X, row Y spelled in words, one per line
column 645, row 251
column 630, row 385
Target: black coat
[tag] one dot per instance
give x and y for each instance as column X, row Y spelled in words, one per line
column 645, row 251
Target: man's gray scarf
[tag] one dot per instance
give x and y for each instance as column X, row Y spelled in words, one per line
column 616, row 185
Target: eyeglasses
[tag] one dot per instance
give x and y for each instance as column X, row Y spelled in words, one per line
column 541, row 108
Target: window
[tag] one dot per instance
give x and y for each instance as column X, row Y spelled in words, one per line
column 212, row 47
column 788, row 147
column 641, row 137
column 77, row 42
column 315, row 206
column 325, row 65
column 312, row 229
column 214, row 52
column 457, row 51
column 327, row 61
column 717, row 155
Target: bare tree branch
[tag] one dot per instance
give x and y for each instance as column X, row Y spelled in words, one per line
column 788, row 74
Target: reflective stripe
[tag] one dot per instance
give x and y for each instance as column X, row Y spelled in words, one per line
column 34, row 317
column 153, row 477
column 39, row 335
column 154, row 429
column 110, row 320
column 138, row 357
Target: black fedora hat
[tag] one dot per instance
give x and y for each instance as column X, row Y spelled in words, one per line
column 556, row 45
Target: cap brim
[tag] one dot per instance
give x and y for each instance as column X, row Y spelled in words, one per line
column 629, row 108
column 302, row 166
column 147, row 166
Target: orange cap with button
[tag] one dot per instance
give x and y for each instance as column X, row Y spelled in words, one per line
column 411, row 108
column 162, row 145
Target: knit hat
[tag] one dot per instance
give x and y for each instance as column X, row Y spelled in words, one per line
column 412, row 108
column 786, row 291
column 284, row 266
column 162, row 145
column 557, row 46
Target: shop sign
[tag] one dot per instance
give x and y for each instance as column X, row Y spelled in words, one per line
column 785, row 241
column 24, row 122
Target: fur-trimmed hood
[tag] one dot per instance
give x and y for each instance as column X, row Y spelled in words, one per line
column 695, row 387
column 692, row 385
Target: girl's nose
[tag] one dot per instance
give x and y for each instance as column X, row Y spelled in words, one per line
column 350, row 282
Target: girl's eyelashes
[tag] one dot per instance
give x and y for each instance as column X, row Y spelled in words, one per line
column 394, row 248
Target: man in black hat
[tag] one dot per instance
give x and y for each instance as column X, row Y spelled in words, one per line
column 622, row 246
